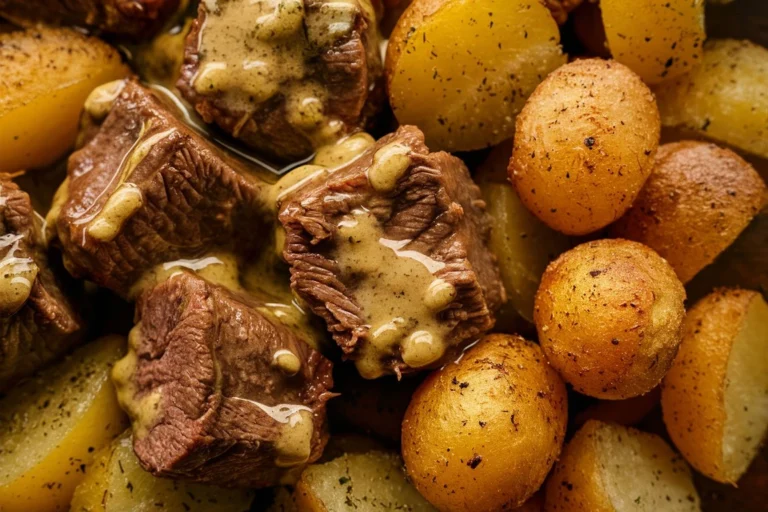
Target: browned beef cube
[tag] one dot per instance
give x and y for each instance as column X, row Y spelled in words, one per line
column 37, row 320
column 284, row 77
column 218, row 390
column 391, row 251
column 145, row 189
column 139, row 19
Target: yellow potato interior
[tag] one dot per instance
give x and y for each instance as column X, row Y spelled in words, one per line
column 466, row 71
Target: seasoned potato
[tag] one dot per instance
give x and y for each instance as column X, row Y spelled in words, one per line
column 461, row 99
column 725, row 99
column 609, row 315
column 362, row 481
column 584, row 145
column 715, row 397
column 483, row 433
column 696, row 202
column 117, row 483
column 45, row 76
column 522, row 243
column 610, row 468
column 51, row 425
column 657, row 39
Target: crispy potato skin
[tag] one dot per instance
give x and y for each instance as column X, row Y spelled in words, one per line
column 696, row 202
column 584, row 145
column 609, row 316
column 693, row 395
column 481, row 434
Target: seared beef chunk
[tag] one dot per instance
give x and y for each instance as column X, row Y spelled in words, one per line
column 218, row 390
column 138, row 19
column 144, row 189
column 390, row 250
column 37, row 321
column 286, row 76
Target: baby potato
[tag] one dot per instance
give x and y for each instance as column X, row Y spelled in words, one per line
column 610, row 468
column 714, row 397
column 51, row 425
column 725, row 99
column 467, row 99
column 657, row 39
column 117, row 483
column 696, row 202
column 609, row 315
column 45, row 76
column 584, row 145
column 482, row 433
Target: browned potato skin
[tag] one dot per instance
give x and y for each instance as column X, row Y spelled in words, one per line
column 481, row 434
column 696, row 202
column 584, row 145
column 609, row 315
column 414, row 15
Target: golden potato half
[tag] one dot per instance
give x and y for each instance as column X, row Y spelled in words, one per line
column 584, row 145
column 725, row 99
column 715, row 397
column 696, row 202
column 610, row 468
column 657, row 39
column 45, row 76
column 462, row 97
column 482, row 433
column 609, row 316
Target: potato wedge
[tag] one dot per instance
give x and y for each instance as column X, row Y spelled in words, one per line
column 117, row 483
column 715, row 396
column 51, row 425
column 725, row 99
column 657, row 39
column 362, row 481
column 45, row 76
column 610, row 468
column 464, row 100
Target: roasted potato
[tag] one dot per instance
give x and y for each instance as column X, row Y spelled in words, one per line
column 714, row 396
column 482, row 433
column 51, row 425
column 657, row 39
column 117, row 483
column 725, row 99
column 696, row 202
column 584, row 145
column 609, row 315
column 45, row 76
column 461, row 99
column 522, row 243
column 610, row 468
column 363, row 481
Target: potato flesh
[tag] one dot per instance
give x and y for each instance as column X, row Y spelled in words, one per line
column 52, row 425
column 725, row 99
column 464, row 100
column 746, row 391
column 657, row 39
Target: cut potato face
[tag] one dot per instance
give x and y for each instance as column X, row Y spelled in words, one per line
column 657, row 39
column 45, row 76
column 715, row 397
column 51, row 425
column 725, row 99
column 117, row 483
column 610, row 468
column 464, row 100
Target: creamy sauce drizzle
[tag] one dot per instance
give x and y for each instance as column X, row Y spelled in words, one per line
column 343, row 151
column 17, row 275
column 100, row 101
column 216, row 267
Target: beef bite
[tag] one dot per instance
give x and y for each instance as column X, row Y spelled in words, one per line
column 218, row 390
column 137, row 19
column 284, row 76
column 38, row 322
column 144, row 189
column 391, row 251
